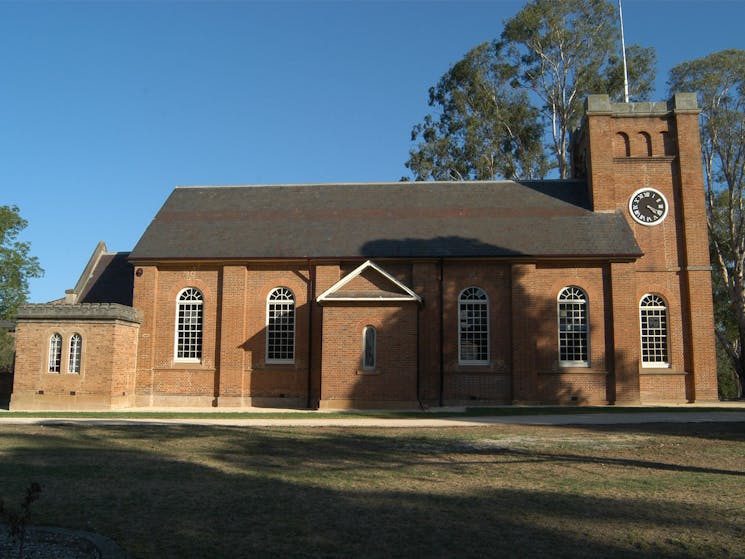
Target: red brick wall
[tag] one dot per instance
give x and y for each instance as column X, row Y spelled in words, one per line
column 664, row 153
column 106, row 372
column 233, row 370
column 491, row 382
column 394, row 377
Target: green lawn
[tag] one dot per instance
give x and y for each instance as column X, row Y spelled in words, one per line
column 672, row 490
column 390, row 414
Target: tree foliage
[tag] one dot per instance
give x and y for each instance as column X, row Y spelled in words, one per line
column 16, row 264
column 719, row 80
column 485, row 129
column 16, row 267
column 564, row 50
column 497, row 103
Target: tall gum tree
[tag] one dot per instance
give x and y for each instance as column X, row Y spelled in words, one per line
column 481, row 128
column 564, row 50
column 719, row 79
column 497, row 106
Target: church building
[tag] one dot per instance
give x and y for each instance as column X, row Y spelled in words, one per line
column 594, row 290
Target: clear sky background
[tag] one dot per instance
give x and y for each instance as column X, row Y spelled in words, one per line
column 106, row 106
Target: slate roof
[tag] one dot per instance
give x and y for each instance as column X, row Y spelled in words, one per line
column 377, row 220
column 112, row 281
column 107, row 278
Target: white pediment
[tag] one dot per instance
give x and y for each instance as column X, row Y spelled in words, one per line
column 341, row 291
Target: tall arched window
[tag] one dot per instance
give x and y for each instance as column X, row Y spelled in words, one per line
column 189, row 325
column 76, row 350
column 55, row 353
column 369, row 348
column 473, row 327
column 573, row 327
column 653, row 317
column 280, row 326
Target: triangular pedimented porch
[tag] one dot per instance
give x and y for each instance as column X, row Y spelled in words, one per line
column 370, row 335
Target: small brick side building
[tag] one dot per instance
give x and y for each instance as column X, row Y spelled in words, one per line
column 592, row 290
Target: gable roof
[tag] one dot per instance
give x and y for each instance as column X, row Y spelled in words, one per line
column 399, row 291
column 378, row 220
column 107, row 278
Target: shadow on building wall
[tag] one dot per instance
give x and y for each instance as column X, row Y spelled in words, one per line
column 417, row 357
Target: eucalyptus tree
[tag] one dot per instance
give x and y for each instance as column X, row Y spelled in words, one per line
column 482, row 127
column 497, row 104
column 719, row 79
column 564, row 50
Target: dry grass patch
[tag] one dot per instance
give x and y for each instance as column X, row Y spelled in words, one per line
column 507, row 491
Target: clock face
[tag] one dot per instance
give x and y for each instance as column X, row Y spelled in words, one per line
column 648, row 206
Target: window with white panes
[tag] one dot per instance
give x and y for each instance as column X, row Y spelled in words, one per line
column 573, row 327
column 280, row 326
column 473, row 327
column 189, row 324
column 55, row 353
column 76, row 350
column 653, row 318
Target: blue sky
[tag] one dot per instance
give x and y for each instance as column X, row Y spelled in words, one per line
column 106, row 106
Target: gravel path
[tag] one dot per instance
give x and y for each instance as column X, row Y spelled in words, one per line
column 57, row 543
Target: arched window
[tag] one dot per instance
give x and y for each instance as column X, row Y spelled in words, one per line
column 55, row 353
column 573, row 327
column 653, row 317
column 76, row 349
column 369, row 348
column 280, row 326
column 473, row 327
column 189, row 325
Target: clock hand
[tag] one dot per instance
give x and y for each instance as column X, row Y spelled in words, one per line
column 653, row 209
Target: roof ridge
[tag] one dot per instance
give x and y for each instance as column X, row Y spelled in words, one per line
column 378, row 183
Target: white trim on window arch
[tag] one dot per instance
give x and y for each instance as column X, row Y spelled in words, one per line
column 280, row 326
column 54, row 360
column 189, row 326
column 653, row 331
column 75, row 355
column 573, row 327
column 473, row 326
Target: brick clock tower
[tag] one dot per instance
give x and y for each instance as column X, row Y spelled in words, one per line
column 644, row 161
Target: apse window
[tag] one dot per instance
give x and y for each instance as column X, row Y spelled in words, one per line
column 55, row 353
column 76, row 350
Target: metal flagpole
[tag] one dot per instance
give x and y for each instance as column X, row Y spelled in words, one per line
column 623, row 53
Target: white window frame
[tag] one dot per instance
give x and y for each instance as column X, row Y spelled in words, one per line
column 280, row 300
column 374, row 348
column 661, row 311
column 191, row 344
column 54, row 360
column 565, row 331
column 480, row 303
column 75, row 357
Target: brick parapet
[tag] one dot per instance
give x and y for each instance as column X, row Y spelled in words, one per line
column 81, row 311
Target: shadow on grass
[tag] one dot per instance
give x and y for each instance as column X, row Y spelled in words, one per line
column 724, row 430
column 191, row 491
